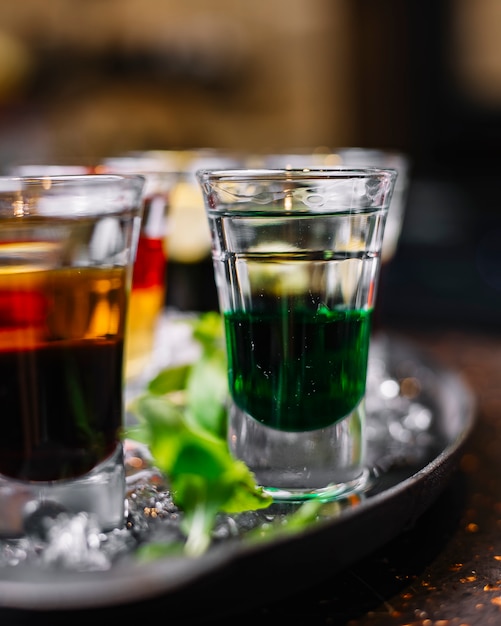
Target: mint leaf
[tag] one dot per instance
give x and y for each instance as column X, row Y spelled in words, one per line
column 207, row 393
column 188, row 441
column 171, row 379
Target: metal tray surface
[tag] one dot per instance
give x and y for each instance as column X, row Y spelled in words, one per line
column 407, row 476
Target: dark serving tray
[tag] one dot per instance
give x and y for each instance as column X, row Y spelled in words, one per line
column 406, row 479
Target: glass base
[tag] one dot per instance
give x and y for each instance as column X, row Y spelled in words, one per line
column 334, row 491
column 325, row 464
column 100, row 493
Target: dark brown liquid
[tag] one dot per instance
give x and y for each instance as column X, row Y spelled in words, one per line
column 61, row 368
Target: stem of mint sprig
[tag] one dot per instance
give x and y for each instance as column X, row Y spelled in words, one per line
column 182, row 418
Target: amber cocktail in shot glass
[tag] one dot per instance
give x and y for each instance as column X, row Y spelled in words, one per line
column 67, row 245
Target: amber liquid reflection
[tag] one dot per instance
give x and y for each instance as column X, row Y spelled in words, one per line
column 147, row 296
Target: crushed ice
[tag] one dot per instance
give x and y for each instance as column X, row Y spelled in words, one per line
column 56, row 539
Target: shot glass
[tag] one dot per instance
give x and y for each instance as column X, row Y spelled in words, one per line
column 355, row 156
column 189, row 271
column 67, row 245
column 149, row 281
column 399, row 161
column 296, row 256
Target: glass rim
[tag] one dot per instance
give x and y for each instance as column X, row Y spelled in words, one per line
column 73, row 177
column 339, row 152
column 69, row 196
column 11, row 182
column 338, row 172
column 127, row 166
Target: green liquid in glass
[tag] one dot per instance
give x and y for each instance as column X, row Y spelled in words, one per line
column 297, row 370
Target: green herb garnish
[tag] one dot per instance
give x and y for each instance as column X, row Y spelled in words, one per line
column 182, row 418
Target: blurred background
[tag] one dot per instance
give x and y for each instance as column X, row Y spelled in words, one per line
column 81, row 80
